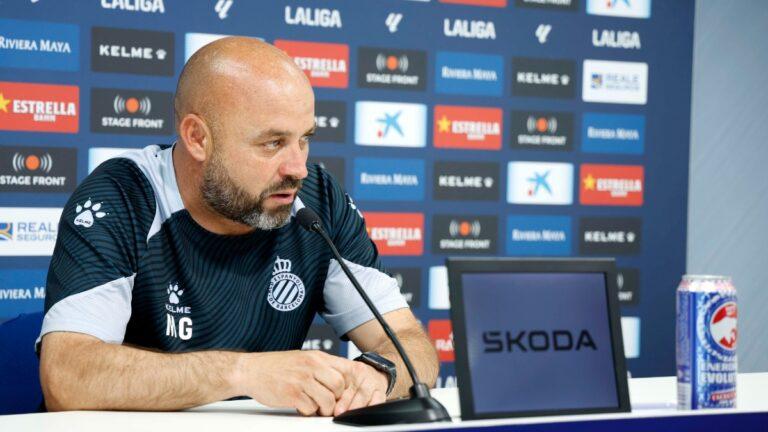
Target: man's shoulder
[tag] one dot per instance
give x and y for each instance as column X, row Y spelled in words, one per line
column 124, row 181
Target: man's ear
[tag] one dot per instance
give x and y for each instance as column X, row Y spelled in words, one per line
column 196, row 136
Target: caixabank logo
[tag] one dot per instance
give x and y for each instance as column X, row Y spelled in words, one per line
column 469, row 73
column 27, row 231
column 549, row 78
column 463, row 127
column 543, row 183
column 131, row 51
column 542, row 130
column 330, row 121
column 390, row 124
column 125, row 111
column 39, row 45
column 464, row 234
column 610, row 235
column 473, row 181
column 39, row 107
column 38, row 169
column 325, row 64
column 396, row 233
column 612, row 185
column 620, row 8
column 389, row 179
column 390, row 68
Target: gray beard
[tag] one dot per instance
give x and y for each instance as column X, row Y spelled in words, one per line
column 224, row 197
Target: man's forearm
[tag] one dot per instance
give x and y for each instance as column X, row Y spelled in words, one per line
column 422, row 355
column 94, row 375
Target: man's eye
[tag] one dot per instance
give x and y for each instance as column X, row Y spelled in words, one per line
column 272, row 145
column 305, row 139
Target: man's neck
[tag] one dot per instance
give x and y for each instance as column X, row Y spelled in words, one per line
column 189, row 178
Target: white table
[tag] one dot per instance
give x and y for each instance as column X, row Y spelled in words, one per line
column 651, row 397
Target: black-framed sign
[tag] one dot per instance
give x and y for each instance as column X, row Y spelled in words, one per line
column 537, row 337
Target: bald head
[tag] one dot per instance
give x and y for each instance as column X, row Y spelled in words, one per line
column 232, row 70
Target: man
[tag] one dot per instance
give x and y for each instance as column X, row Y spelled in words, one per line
column 180, row 278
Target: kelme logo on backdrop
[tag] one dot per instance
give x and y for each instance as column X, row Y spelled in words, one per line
column 132, row 51
column 469, row 73
column 330, row 121
column 474, row 181
column 569, row 5
column 610, row 235
column 39, row 107
column 131, row 111
column 39, row 45
column 38, row 169
column 543, row 77
column 325, row 64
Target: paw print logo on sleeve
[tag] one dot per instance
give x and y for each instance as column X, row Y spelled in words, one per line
column 87, row 213
column 174, row 293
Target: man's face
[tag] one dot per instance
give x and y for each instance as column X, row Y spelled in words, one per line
column 259, row 156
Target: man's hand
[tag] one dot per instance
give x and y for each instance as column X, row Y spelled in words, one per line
column 312, row 382
column 369, row 387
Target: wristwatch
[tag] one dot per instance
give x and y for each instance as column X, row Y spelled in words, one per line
column 381, row 364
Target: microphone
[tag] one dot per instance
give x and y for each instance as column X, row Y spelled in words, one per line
column 421, row 407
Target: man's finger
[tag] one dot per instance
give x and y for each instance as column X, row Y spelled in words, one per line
column 332, row 379
column 343, row 403
column 362, row 397
column 377, row 397
column 322, row 397
column 305, row 405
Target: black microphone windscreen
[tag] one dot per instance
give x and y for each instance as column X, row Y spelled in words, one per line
column 306, row 217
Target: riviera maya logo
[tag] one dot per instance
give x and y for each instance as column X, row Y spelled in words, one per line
column 174, row 293
column 286, row 290
column 87, row 213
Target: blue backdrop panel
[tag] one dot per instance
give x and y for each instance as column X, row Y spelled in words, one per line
column 492, row 111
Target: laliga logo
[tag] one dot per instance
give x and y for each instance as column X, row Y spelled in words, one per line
column 722, row 326
column 32, row 162
column 392, row 63
column 132, row 105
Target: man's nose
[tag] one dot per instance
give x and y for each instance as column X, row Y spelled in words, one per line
column 295, row 163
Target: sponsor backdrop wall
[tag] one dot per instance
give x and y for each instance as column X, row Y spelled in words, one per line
column 460, row 127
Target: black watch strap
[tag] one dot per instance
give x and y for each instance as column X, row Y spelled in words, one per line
column 382, row 364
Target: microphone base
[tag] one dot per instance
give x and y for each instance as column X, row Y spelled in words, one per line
column 421, row 409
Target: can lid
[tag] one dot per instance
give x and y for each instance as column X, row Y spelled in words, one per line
column 695, row 277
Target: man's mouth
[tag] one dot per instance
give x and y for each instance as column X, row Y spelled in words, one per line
column 284, row 197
